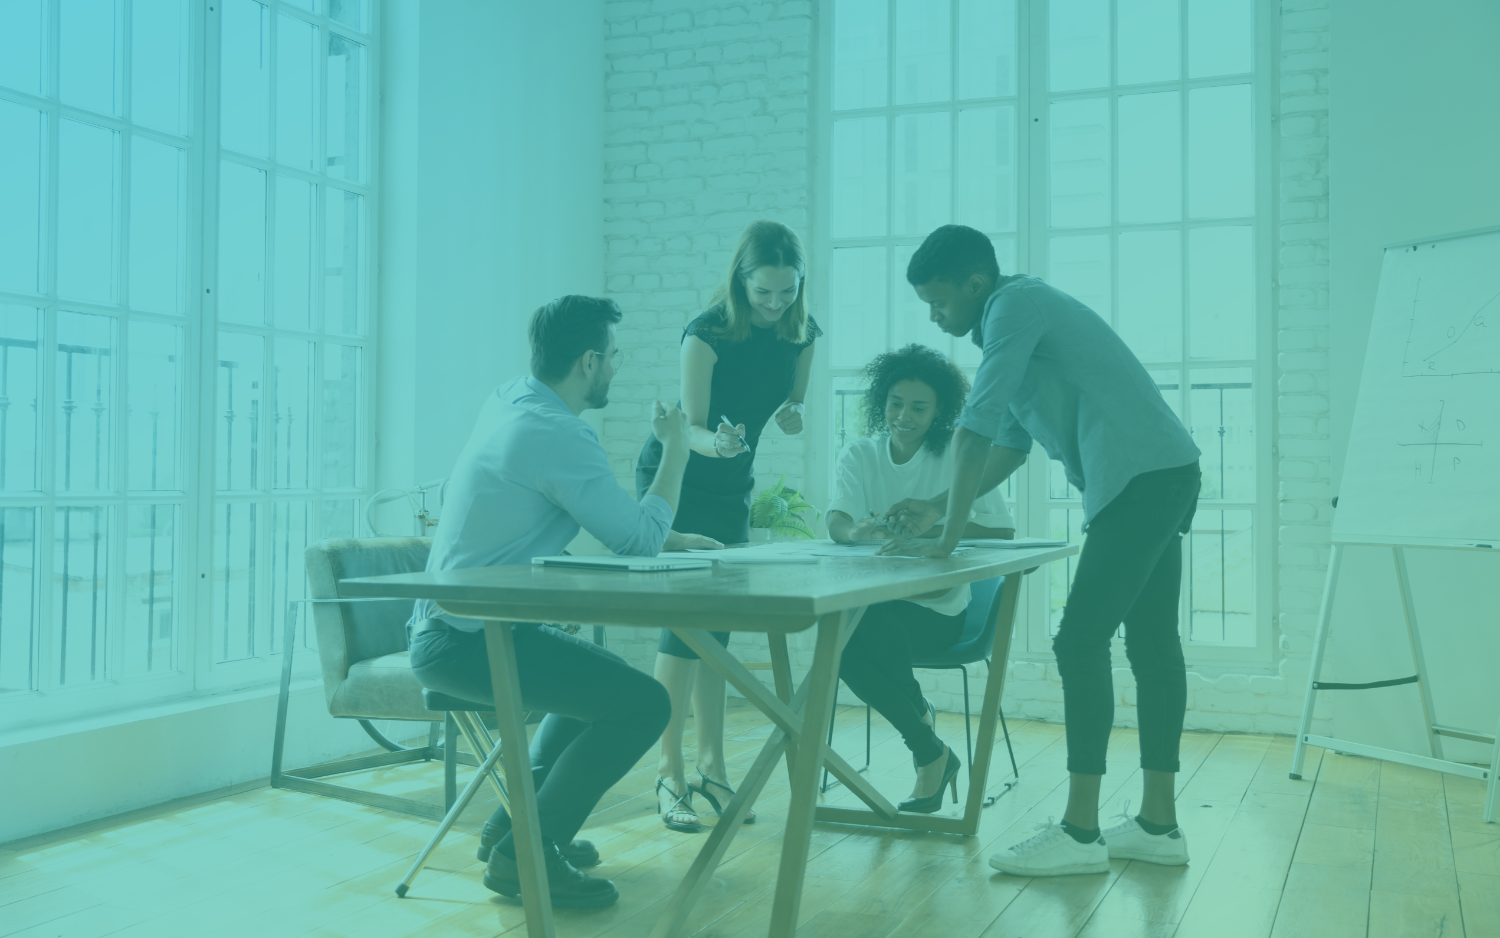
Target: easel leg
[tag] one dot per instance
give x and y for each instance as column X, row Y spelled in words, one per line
column 1409, row 606
column 525, row 828
column 1315, row 667
column 822, row 680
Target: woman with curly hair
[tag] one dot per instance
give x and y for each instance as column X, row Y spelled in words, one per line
column 915, row 396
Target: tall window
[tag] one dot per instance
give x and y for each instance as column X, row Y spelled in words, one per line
column 1110, row 147
column 293, row 190
column 126, row 338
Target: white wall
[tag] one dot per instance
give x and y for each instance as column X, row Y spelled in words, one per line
column 705, row 132
column 1414, row 148
column 492, row 184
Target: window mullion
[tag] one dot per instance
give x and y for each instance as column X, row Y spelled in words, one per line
column 202, row 571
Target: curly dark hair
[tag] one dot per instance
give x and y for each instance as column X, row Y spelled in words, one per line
column 917, row 363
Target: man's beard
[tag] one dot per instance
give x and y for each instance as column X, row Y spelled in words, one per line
column 598, row 395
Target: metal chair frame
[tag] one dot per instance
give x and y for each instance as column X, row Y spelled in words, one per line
column 310, row 778
column 990, row 615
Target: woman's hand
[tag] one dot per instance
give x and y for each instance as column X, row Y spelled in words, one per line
column 868, row 529
column 789, row 418
column 727, row 440
column 676, row 540
column 912, row 517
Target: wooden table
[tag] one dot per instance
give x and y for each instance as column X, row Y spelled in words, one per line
column 773, row 599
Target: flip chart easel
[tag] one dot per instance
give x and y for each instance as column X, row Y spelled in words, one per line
column 1424, row 457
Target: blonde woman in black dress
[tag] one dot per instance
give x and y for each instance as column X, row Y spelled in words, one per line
column 748, row 359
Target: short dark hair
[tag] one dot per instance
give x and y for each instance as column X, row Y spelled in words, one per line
column 567, row 327
column 932, row 368
column 952, row 254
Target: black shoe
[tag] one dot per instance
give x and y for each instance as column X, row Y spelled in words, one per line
column 580, row 853
column 934, row 801
column 568, row 888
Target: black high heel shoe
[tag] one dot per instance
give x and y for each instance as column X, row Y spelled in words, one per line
column 677, row 814
column 934, row 801
column 702, row 789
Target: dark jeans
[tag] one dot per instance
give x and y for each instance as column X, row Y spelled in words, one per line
column 1130, row 571
column 602, row 714
column 877, row 666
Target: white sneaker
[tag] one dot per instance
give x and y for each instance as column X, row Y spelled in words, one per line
column 1128, row 841
column 1053, row 852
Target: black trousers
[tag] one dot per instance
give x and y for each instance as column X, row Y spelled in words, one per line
column 1130, row 571
column 602, row 714
column 877, row 666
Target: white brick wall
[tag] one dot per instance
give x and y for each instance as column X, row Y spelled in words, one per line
column 707, row 118
column 705, row 131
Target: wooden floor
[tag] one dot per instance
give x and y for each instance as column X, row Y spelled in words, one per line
column 1362, row 848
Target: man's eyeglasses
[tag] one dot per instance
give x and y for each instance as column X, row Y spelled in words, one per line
column 614, row 359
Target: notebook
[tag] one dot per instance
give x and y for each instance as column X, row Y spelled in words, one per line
column 630, row 564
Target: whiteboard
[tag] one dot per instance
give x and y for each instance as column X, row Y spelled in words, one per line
column 1423, row 466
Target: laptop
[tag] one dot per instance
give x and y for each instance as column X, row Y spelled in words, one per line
column 630, row 564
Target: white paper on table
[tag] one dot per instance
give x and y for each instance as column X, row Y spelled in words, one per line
column 761, row 553
column 867, row 550
column 1020, row 543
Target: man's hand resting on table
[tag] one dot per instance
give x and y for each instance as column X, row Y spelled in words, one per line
column 912, row 517
column 676, row 540
column 910, row 547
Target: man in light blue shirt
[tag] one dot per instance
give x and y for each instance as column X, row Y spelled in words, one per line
column 531, row 474
column 1053, row 371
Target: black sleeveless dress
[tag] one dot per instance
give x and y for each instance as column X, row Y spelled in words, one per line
column 751, row 381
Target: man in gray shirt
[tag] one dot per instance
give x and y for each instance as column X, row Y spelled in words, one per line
column 1053, row 371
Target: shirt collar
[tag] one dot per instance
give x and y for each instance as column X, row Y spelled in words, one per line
column 540, row 388
column 976, row 334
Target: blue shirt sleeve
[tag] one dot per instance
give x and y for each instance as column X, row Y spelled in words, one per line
column 578, row 480
column 1012, row 326
column 1012, row 434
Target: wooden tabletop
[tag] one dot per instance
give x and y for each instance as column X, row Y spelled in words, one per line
column 727, row 597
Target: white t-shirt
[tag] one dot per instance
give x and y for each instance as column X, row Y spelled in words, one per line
column 867, row 480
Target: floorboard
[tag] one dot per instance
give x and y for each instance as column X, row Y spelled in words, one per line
column 1360, row 848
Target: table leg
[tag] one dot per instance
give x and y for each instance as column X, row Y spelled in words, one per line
column 979, row 772
column 525, row 828
column 785, row 717
column 781, row 671
column 701, row 873
column 822, row 681
column 989, row 715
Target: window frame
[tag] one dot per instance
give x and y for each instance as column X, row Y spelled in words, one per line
column 1032, row 504
column 194, row 673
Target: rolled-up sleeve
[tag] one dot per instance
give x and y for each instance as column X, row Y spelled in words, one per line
column 849, row 488
column 1011, row 328
column 580, row 481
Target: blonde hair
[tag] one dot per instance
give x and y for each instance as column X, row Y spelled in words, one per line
column 764, row 244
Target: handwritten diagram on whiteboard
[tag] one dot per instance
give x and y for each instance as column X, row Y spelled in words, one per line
column 1424, row 449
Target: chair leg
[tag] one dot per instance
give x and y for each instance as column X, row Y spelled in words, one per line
column 968, row 734
column 832, row 718
column 486, row 768
column 1015, row 770
column 867, row 737
column 450, row 760
column 474, row 731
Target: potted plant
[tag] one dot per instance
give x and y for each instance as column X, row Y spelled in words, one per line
column 779, row 512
